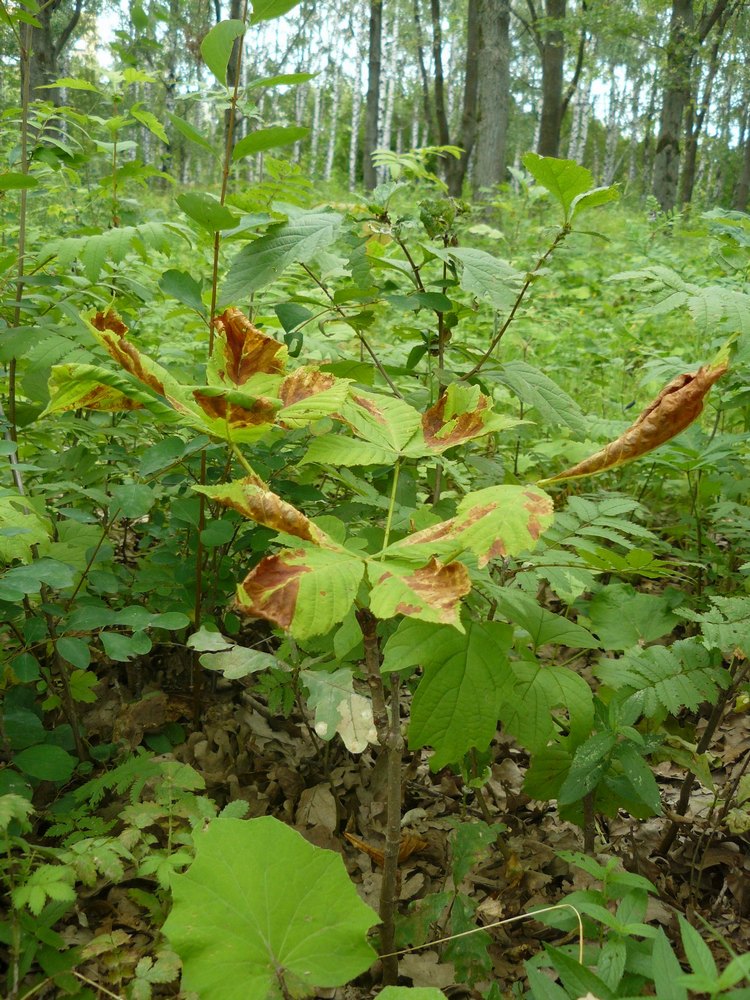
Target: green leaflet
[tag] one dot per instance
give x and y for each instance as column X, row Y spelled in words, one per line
column 216, row 47
column 307, row 591
column 570, row 183
column 265, row 259
column 522, row 610
column 456, row 705
column 484, row 275
column 268, row 138
column 492, row 523
column 539, row 391
column 240, row 938
column 623, row 618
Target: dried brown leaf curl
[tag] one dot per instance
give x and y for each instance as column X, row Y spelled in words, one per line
column 675, row 408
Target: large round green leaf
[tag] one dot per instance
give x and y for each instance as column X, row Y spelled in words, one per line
column 261, row 914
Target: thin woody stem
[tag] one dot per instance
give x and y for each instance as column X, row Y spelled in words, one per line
column 562, row 234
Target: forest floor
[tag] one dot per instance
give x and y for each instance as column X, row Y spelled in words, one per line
column 280, row 767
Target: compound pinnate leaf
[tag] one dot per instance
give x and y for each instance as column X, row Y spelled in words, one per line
column 262, row 914
column 252, row 498
column 431, row 593
column 306, row 591
column 244, row 349
column 675, row 408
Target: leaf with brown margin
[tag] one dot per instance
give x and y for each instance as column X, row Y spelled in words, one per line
column 89, row 387
column 309, row 394
column 252, row 498
column 678, row 404
column 461, row 414
column 493, row 523
column 306, row 591
column 234, row 416
column 244, row 349
column 381, row 420
column 432, row 593
column 109, row 330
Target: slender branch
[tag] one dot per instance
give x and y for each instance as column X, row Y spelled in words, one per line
column 362, row 339
column 561, row 236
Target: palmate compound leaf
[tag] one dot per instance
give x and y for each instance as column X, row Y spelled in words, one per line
column 675, row 408
column 457, row 703
column 262, row 914
column 492, row 523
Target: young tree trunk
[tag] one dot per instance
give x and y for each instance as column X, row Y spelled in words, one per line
column 553, row 57
column 373, row 94
column 494, row 93
column 684, row 39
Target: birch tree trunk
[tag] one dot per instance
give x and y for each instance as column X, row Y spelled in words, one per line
column 333, row 126
column 354, row 138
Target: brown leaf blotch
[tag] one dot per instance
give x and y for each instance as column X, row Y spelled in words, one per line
column 270, row 590
column 371, row 408
column 303, row 383
column 263, row 410
column 441, row 433
column 109, row 320
column 441, row 587
column 246, row 351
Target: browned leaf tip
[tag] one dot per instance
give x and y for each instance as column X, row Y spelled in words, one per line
column 113, row 331
column 110, row 320
column 678, row 404
column 303, row 383
column 246, row 351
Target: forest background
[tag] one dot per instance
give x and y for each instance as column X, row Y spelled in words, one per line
column 338, row 301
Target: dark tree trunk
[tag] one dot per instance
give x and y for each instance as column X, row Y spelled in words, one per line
column 373, row 94
column 494, row 93
column 694, row 123
column 46, row 48
column 426, row 105
column 553, row 57
column 455, row 170
column 437, row 57
column 684, row 38
column 742, row 190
